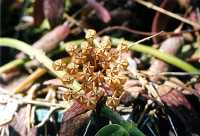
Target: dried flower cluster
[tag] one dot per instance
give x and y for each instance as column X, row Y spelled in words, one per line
column 97, row 67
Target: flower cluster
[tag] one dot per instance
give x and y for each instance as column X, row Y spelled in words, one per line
column 97, row 67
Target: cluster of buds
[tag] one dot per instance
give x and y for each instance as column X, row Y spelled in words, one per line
column 98, row 68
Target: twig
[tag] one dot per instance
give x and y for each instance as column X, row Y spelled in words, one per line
column 111, row 28
column 33, row 102
column 168, row 13
column 72, row 20
column 147, row 38
column 46, row 118
column 43, row 103
column 179, row 73
column 30, row 95
column 30, row 79
column 87, row 127
column 124, row 28
column 171, row 123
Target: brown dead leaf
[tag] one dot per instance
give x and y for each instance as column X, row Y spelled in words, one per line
column 173, row 98
column 70, row 127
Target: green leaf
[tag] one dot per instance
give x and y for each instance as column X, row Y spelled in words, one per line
column 112, row 130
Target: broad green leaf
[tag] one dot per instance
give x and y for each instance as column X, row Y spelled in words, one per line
column 112, row 130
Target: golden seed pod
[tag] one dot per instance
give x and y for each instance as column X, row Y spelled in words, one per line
column 79, row 59
column 87, row 86
column 99, row 54
column 97, row 93
column 69, row 95
column 106, row 43
column 67, row 79
column 85, row 48
column 100, row 78
column 81, row 77
column 72, row 68
column 90, row 34
column 112, row 72
column 88, row 68
column 118, row 92
column 81, row 96
column 123, row 64
column 113, row 55
column 122, row 79
column 91, row 102
column 123, row 47
column 95, row 68
column 59, row 64
column 112, row 102
column 72, row 49
column 105, row 65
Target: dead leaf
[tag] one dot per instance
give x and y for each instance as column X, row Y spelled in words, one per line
column 70, row 127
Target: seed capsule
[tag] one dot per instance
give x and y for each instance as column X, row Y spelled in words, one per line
column 90, row 34
column 72, row 68
column 72, row 49
column 123, row 47
column 59, row 65
column 112, row 102
column 67, row 79
column 69, row 95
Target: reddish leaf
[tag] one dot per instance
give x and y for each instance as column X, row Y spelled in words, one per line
column 53, row 10
column 71, row 126
column 38, row 13
column 101, row 11
column 197, row 87
column 19, row 125
column 160, row 20
column 175, row 98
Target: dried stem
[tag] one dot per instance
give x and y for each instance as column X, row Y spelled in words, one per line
column 168, row 13
column 130, row 30
column 33, row 102
column 30, row 79
column 46, row 118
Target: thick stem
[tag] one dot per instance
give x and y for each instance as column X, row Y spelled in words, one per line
column 32, row 52
column 160, row 55
column 30, row 80
column 11, row 65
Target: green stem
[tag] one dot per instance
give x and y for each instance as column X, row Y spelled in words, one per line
column 11, row 65
column 32, row 52
column 117, row 119
column 160, row 55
